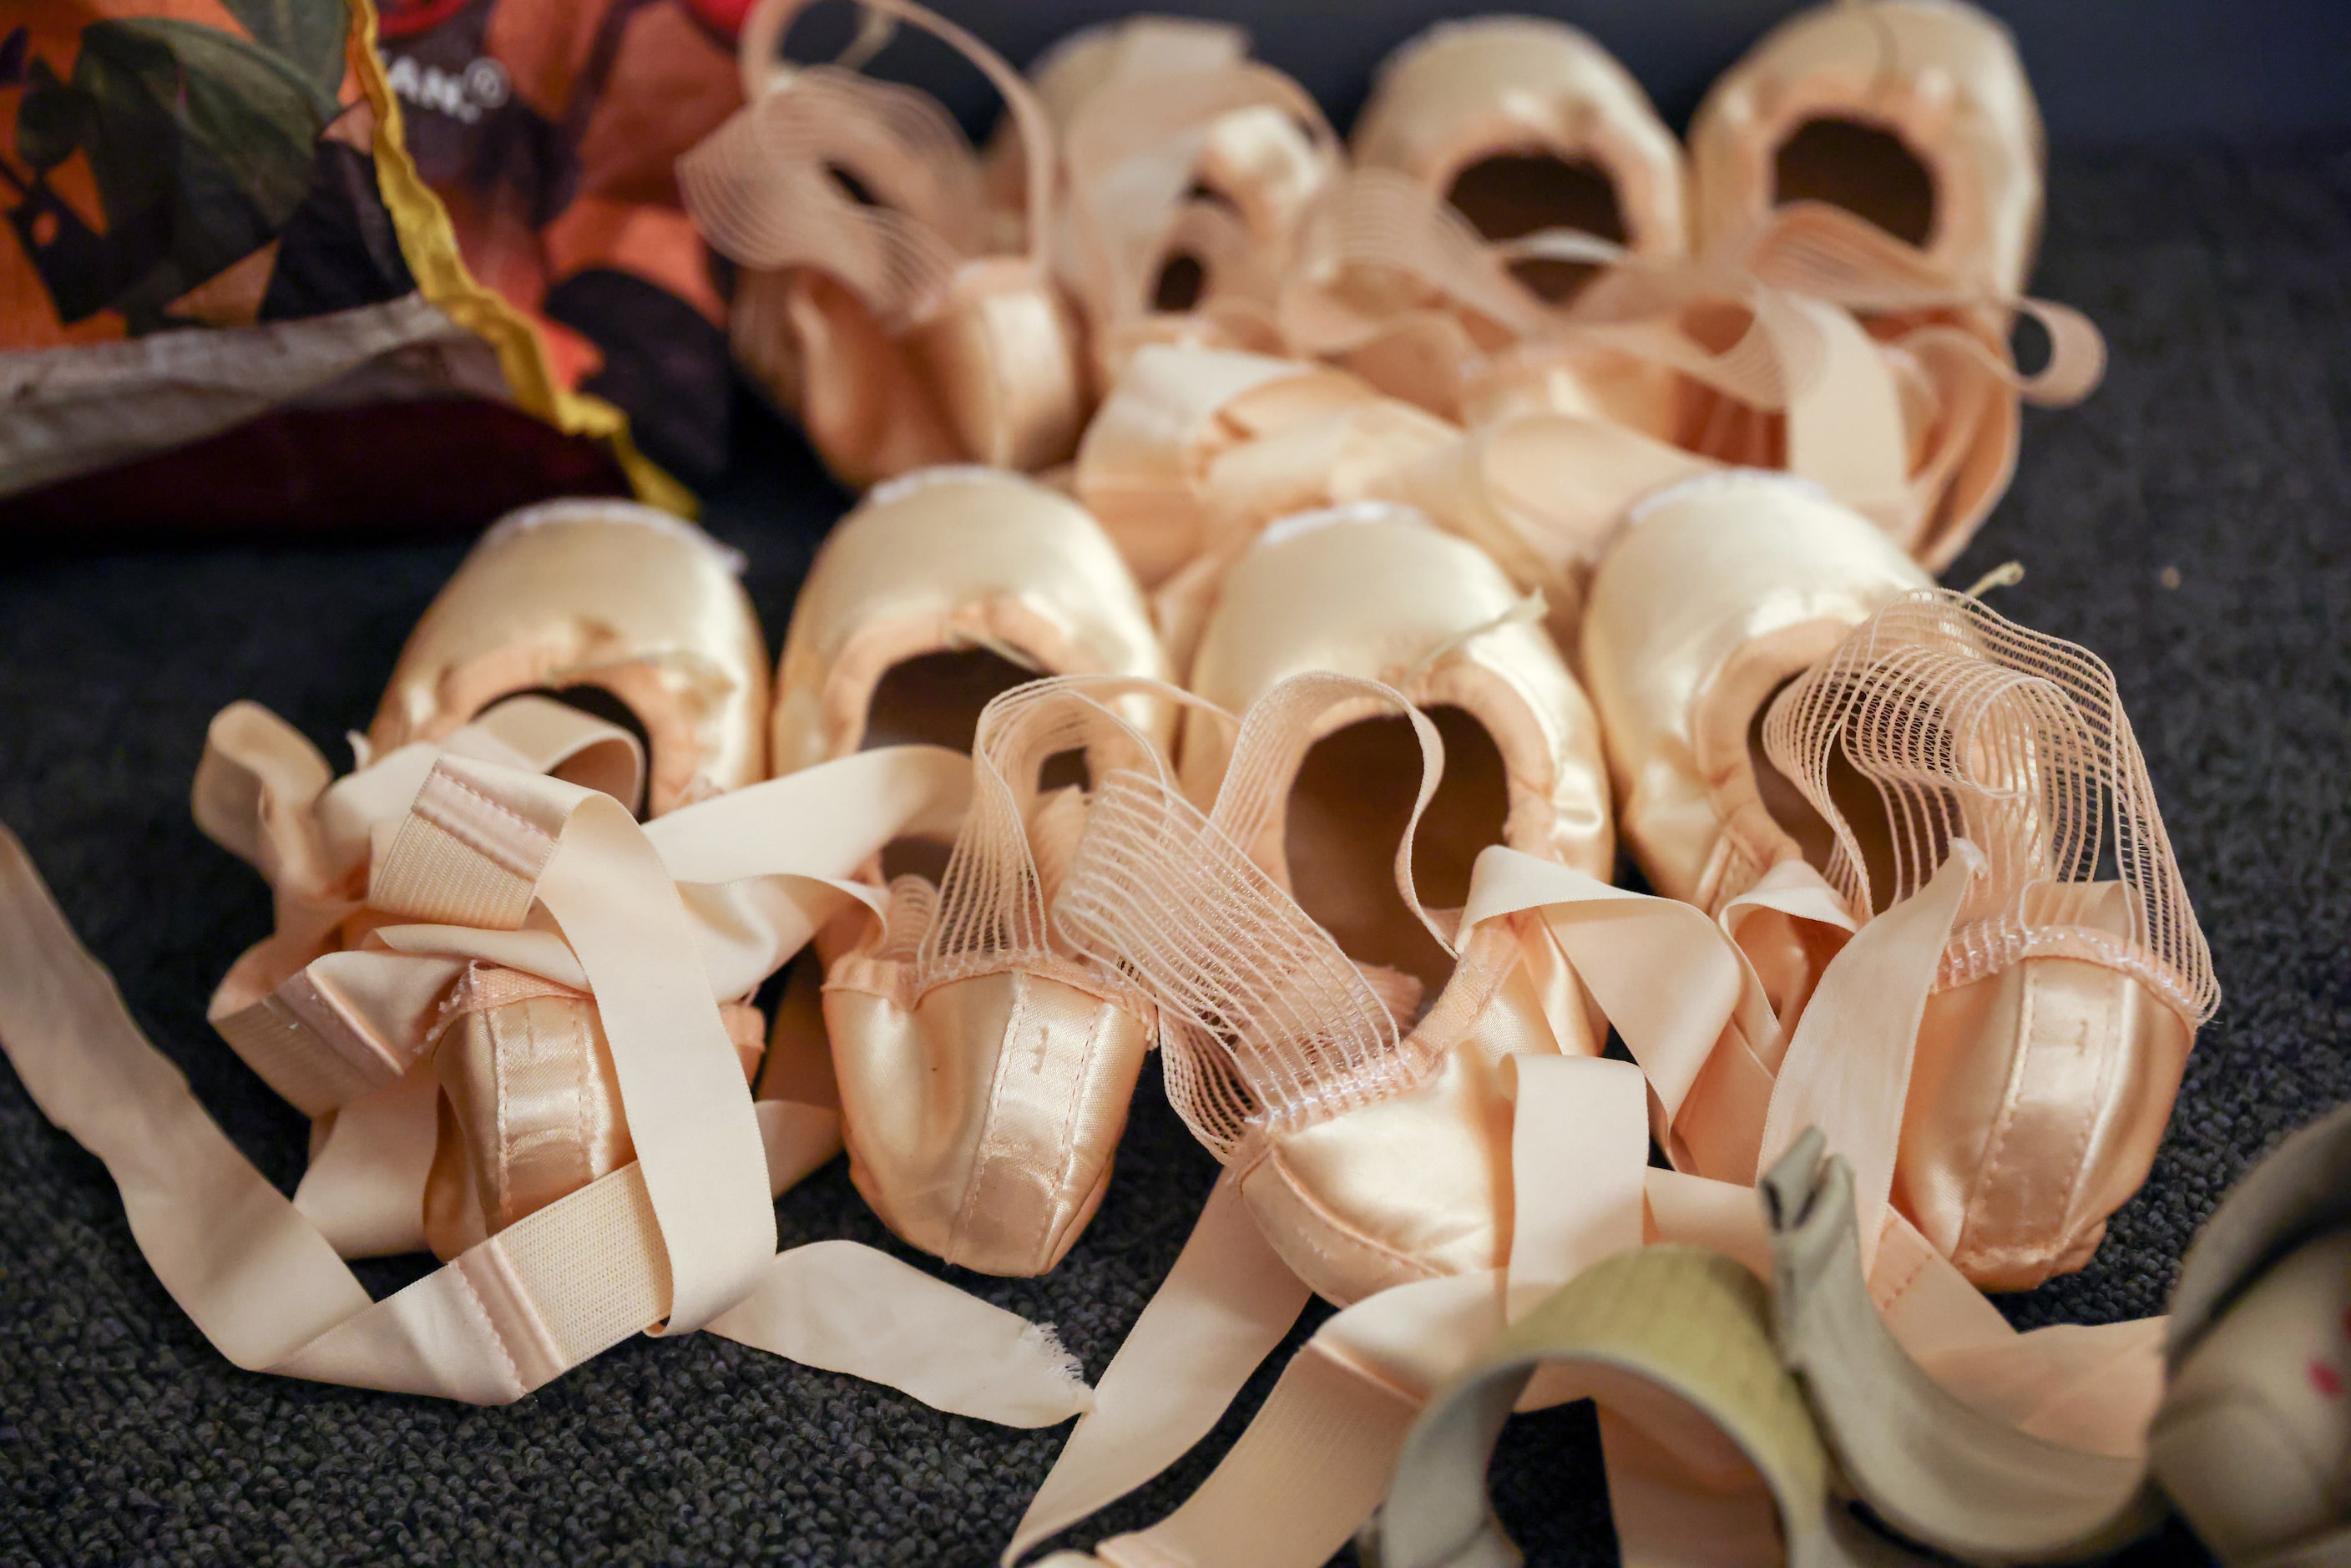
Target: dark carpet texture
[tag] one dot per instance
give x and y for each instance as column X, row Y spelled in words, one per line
column 2191, row 524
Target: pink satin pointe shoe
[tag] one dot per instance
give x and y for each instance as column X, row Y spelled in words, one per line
column 1722, row 591
column 623, row 610
column 1353, row 1074
column 984, row 1070
column 1188, row 167
column 2076, row 977
column 1913, row 114
column 1887, row 156
column 1800, row 724
column 596, row 597
column 882, row 298
column 1524, row 125
column 1499, row 160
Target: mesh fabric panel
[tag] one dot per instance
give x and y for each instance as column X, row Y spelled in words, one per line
column 1967, row 726
column 1265, row 1020
column 764, row 189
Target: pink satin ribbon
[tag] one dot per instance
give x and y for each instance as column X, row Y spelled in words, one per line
column 487, row 863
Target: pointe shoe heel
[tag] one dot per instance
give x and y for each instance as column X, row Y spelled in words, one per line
column 1720, row 591
column 1523, row 124
column 1913, row 114
column 619, row 599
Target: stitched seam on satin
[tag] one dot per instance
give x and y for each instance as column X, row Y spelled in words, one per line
column 2109, row 1064
column 497, row 1340
column 1012, row 1027
column 502, row 1157
column 1070, row 1114
column 582, row 1061
column 1910, row 1281
column 1957, row 968
column 1999, row 1152
column 2073, row 1155
column 886, row 980
column 1046, row 966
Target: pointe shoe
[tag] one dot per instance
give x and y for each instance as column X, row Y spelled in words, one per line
column 1913, row 114
column 1498, row 161
column 881, row 300
column 1524, row 125
column 2060, row 1023
column 983, row 1074
column 616, row 610
column 1368, row 1125
column 1188, row 167
column 1720, row 592
column 1782, row 690
column 1887, row 156
column 597, row 598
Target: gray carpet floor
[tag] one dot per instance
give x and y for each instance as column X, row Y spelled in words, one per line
column 2191, row 524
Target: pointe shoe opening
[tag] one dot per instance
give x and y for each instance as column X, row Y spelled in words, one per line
column 855, row 189
column 1866, row 169
column 934, row 699
column 1182, row 280
column 1855, row 800
column 1347, row 809
column 1509, row 195
column 597, row 703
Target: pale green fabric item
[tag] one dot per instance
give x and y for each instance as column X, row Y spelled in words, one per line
column 1939, row 1471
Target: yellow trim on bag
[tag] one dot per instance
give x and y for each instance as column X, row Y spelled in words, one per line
column 430, row 246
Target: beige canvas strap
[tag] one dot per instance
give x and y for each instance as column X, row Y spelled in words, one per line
column 1940, row 1471
column 1670, row 1341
